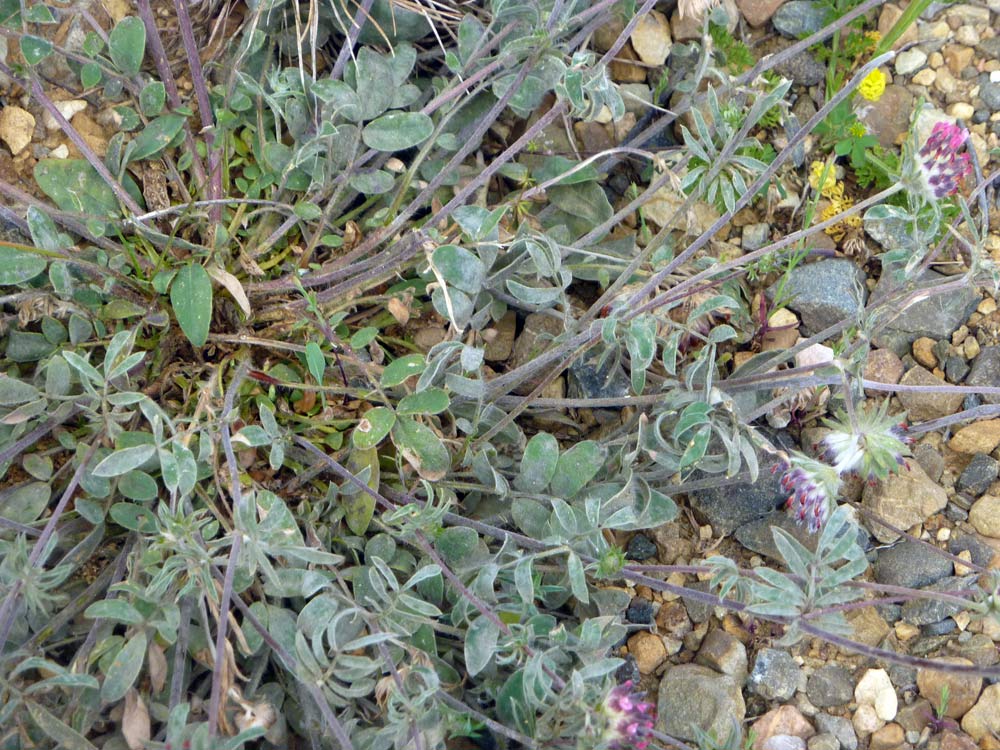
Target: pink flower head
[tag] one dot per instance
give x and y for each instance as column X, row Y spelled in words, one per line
column 629, row 718
column 941, row 166
column 813, row 488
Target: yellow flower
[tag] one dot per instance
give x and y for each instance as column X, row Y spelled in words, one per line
column 873, row 86
column 830, row 187
column 839, row 205
column 858, row 130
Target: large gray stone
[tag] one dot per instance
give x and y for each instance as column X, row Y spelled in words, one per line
column 936, row 317
column 911, row 565
column 775, row 675
column 830, row 685
column 695, row 696
column 927, row 611
column 824, row 293
column 985, row 372
column 729, row 507
column 799, row 17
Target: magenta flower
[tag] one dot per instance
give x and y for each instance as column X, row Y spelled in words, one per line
column 629, row 718
column 814, row 487
column 942, row 168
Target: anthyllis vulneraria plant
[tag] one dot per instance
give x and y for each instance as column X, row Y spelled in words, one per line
column 870, row 444
column 628, row 719
column 939, row 167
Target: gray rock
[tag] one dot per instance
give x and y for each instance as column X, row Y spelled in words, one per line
column 799, row 18
column 928, row 611
column 941, row 627
column 989, row 92
column 955, row 369
column 755, row 236
column 986, row 372
column 889, row 117
column 935, row 317
column 824, row 293
column 910, row 564
column 775, row 675
column 839, row 727
column 727, row 508
column 980, row 551
column 697, row 610
column 640, row 611
column 588, row 378
column 692, row 696
column 756, row 535
column 930, row 460
column 830, row 685
column 823, row 741
column 978, row 475
column 640, row 547
column 990, row 47
column 979, row 649
column 724, row 653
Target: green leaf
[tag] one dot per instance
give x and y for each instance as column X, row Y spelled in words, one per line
column 74, row 185
column 400, row 369
column 139, row 486
column 90, row 75
column 124, row 669
column 575, row 468
column 586, row 201
column 127, row 45
column 124, row 460
column 480, row 644
column 152, row 98
column 17, row 266
column 553, row 166
column 133, row 517
column 114, row 609
column 577, row 577
column 35, row 49
column 316, row 361
column 421, row 448
column 39, row 13
column 538, row 464
column 191, row 299
column 26, row 503
column 460, row 268
column 156, row 136
column 373, row 427
column 14, row 391
column 64, row 736
column 397, row 131
column 373, row 73
column 457, row 545
column 429, row 401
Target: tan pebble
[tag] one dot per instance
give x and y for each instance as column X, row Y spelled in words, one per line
column 925, row 77
column 940, row 30
column 648, row 650
column 905, row 631
column 971, row 348
column 705, row 532
column 943, row 535
column 957, row 58
column 979, row 437
column 961, row 110
column 963, row 570
column 959, row 335
column 923, row 352
column 67, row 108
column 60, row 152
column 938, row 372
column 643, row 592
column 782, row 317
column 962, row 619
column 935, row 60
column 987, row 306
column 967, row 35
column 16, row 128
